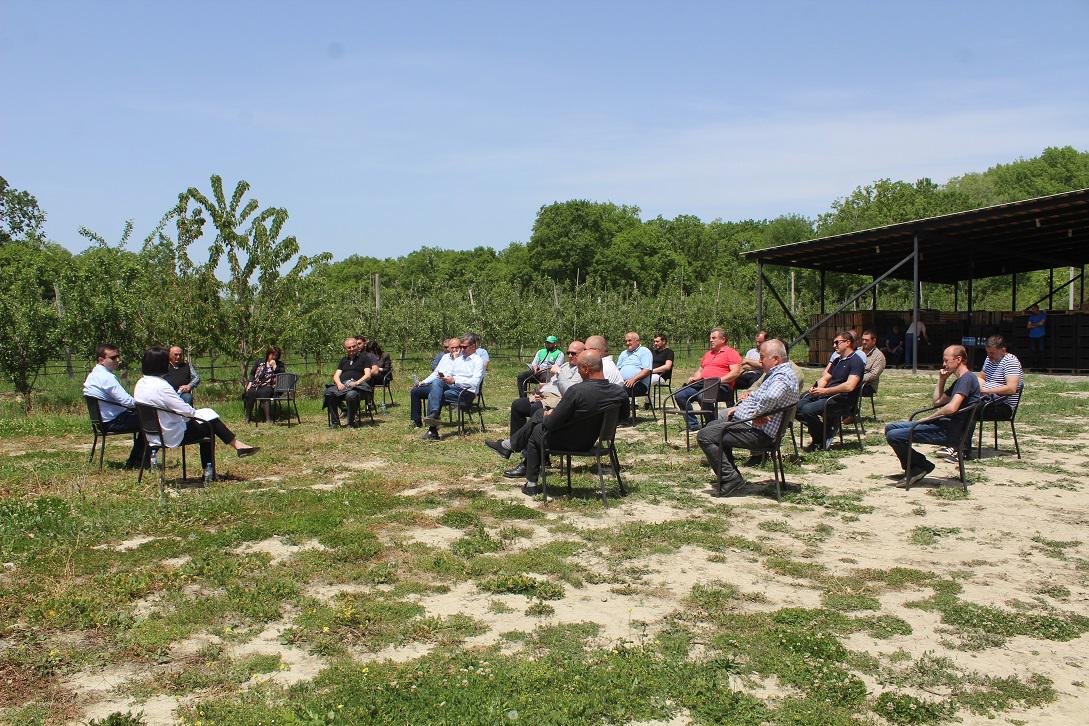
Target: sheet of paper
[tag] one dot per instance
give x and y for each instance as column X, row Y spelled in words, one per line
column 207, row 414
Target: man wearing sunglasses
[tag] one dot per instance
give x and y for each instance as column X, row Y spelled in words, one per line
column 117, row 407
column 564, row 375
column 459, row 387
column 843, row 375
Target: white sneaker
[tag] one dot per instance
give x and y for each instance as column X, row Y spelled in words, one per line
column 946, row 451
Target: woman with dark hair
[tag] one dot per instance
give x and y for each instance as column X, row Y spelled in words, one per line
column 262, row 379
column 385, row 362
column 176, row 417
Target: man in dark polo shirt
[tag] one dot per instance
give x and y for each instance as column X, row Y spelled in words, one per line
column 181, row 374
column 351, row 382
column 843, row 375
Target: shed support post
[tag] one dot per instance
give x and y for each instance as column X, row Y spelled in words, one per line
column 956, row 296
column 759, row 296
column 822, row 291
column 1013, row 293
column 873, row 305
column 915, row 303
column 1050, row 288
column 970, row 281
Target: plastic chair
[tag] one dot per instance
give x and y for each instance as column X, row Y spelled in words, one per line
column 708, row 400
column 99, row 429
column 775, row 451
column 604, row 446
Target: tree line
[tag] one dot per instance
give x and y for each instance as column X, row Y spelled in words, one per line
column 587, row 266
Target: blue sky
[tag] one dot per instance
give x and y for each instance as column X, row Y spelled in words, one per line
column 383, row 127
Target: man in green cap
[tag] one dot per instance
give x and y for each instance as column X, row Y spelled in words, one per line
column 546, row 357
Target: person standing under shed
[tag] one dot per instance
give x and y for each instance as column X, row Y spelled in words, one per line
column 1037, row 333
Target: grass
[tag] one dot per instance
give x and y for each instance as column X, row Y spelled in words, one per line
column 349, row 545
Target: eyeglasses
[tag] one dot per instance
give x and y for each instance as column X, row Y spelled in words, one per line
column 572, row 352
column 463, row 347
column 837, row 341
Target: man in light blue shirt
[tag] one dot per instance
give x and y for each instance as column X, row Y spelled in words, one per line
column 458, row 387
column 635, row 364
column 117, row 407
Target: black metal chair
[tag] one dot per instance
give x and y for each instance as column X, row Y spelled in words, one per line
column 990, row 411
column 99, row 428
column 283, row 392
column 470, row 404
column 656, row 398
column 775, row 451
column 962, row 445
column 838, row 398
column 604, row 446
column 633, row 403
column 387, row 388
column 708, row 400
column 149, row 425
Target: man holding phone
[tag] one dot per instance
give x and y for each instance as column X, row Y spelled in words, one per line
column 943, row 426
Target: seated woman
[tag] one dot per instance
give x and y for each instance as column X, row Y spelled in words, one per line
column 176, row 421
column 385, row 362
column 262, row 380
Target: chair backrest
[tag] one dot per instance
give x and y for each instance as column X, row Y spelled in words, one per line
column 285, row 383
column 709, row 394
column 93, row 410
column 149, row 420
column 609, row 420
column 786, row 423
column 970, row 412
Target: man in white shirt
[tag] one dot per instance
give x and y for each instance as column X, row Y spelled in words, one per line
column 598, row 344
column 456, row 388
column 442, row 368
column 117, row 407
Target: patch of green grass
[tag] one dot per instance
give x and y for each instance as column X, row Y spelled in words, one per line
column 538, row 609
column 999, row 624
column 901, row 708
column 523, row 585
column 952, row 494
column 851, row 602
column 926, row 536
column 849, row 502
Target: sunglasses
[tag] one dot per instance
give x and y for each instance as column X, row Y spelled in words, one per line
column 462, row 347
column 837, row 341
column 572, row 352
column 115, row 356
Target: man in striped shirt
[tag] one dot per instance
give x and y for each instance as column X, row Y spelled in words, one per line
column 746, row 426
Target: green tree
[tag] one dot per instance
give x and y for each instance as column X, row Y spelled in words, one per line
column 567, row 236
column 29, row 323
column 20, row 216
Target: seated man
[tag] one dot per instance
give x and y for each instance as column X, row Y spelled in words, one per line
column 542, row 362
column 564, row 376
column 893, row 346
column 779, row 388
column 561, row 427
column 722, row 362
column 635, row 365
column 485, row 356
column 599, row 345
column 751, row 370
column 999, row 385
column 117, row 407
column 940, row 427
column 443, row 368
column 874, row 362
column 662, row 359
column 351, row 382
column 459, row 387
column 182, row 375
column 843, row 375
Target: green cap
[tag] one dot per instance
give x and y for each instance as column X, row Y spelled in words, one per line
column 551, row 339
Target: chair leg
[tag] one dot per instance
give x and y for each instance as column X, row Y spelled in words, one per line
column 873, row 408
column 184, row 477
column 979, row 445
column 143, row 458
column 996, row 435
column 601, row 482
column 94, row 445
column 1016, row 446
column 569, row 490
column 296, row 407
column 616, row 471
column 102, row 454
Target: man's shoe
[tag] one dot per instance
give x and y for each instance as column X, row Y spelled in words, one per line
column 417, row 425
column 497, row 447
column 810, row 447
column 756, row 460
column 430, row 435
column 946, row 451
column 953, row 458
column 725, row 490
column 828, row 443
column 848, row 420
column 247, row 451
column 916, row 476
column 530, row 489
column 517, row 472
column 432, row 419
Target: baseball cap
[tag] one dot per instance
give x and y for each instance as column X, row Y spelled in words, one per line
column 551, row 339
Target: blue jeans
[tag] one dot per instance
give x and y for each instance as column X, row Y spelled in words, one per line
column 928, row 432
column 813, row 411
column 684, row 396
column 451, row 394
column 416, row 394
column 187, row 397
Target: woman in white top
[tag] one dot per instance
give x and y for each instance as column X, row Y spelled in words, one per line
column 181, row 426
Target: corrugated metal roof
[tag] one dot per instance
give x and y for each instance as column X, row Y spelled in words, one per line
column 1033, row 234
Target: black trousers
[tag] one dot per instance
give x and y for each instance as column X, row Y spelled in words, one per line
column 520, row 411
column 525, row 377
column 251, row 396
column 351, row 395
column 127, row 422
column 195, row 431
column 719, row 438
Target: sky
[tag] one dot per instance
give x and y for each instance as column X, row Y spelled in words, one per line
column 384, row 127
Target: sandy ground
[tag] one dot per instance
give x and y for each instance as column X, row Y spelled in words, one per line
column 993, row 552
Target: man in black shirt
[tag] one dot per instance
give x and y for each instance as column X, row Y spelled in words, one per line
column 563, row 426
column 662, row 362
column 351, row 382
column 843, row 375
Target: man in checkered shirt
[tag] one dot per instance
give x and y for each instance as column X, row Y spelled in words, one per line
column 744, row 425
